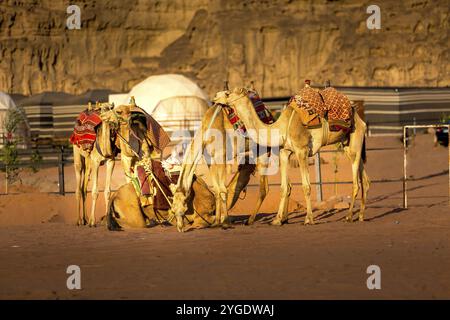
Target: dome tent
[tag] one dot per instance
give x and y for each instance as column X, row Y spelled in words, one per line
column 174, row 100
column 6, row 104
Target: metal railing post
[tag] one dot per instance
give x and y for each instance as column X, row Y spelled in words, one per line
column 61, row 172
column 318, row 177
column 405, row 199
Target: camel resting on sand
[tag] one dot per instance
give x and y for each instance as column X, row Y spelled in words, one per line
column 125, row 211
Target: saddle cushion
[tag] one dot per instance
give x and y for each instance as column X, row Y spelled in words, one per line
column 338, row 106
column 84, row 133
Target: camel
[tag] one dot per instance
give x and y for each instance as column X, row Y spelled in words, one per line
column 295, row 138
column 87, row 163
column 120, row 117
column 215, row 120
column 125, row 210
column 115, row 120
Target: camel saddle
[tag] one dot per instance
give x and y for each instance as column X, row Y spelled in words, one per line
column 84, row 132
column 154, row 131
column 152, row 189
column 313, row 105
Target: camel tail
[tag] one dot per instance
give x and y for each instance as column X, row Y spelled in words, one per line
column 363, row 151
column 111, row 221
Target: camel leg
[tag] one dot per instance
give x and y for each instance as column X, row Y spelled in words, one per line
column 355, row 158
column 302, row 157
column 94, row 192
column 263, row 190
column 80, row 168
column 86, row 178
column 218, row 174
column 109, row 171
column 127, row 163
column 365, row 184
column 285, row 189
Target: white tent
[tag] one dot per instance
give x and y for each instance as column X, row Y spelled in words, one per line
column 7, row 103
column 175, row 101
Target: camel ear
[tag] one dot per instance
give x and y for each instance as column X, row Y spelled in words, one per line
column 239, row 90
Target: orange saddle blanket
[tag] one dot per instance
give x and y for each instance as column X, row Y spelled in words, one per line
column 327, row 103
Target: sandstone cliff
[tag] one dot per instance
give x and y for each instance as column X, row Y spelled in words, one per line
column 274, row 42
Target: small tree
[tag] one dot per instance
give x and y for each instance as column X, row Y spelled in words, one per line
column 9, row 154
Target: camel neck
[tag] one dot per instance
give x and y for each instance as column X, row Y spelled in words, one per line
column 104, row 139
column 247, row 113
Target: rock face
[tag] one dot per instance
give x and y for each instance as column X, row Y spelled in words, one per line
column 276, row 43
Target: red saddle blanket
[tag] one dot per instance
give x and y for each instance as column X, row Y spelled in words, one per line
column 162, row 185
column 260, row 108
column 84, row 131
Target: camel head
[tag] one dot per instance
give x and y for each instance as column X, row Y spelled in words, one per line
column 228, row 97
column 117, row 115
column 237, row 93
column 221, row 97
column 179, row 206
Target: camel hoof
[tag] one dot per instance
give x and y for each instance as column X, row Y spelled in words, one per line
column 180, row 229
column 276, row 222
column 361, row 219
column 226, row 226
column 309, row 222
column 81, row 222
column 92, row 224
column 249, row 222
column 348, row 220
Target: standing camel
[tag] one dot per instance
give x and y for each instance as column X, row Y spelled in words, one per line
column 89, row 161
column 138, row 135
column 216, row 121
column 303, row 142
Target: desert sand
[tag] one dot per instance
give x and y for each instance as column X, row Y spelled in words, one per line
column 39, row 240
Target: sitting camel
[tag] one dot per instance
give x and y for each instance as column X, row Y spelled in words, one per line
column 216, row 120
column 304, row 142
column 125, row 209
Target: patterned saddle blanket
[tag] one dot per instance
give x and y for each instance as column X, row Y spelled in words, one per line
column 328, row 103
column 153, row 192
column 260, row 108
column 84, row 131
